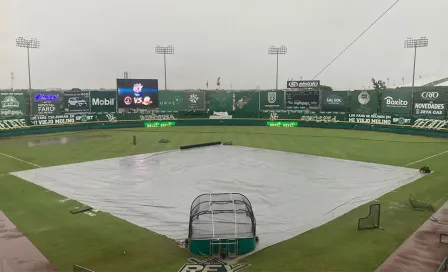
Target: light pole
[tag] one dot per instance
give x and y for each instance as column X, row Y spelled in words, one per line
column 414, row 43
column 277, row 51
column 164, row 50
column 28, row 43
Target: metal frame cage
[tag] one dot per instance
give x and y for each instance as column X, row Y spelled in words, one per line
column 221, row 221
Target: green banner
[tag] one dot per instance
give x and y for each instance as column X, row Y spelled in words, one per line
column 171, row 100
column 46, row 102
column 396, row 101
column 14, row 123
column 334, row 101
column 55, row 119
column 221, row 102
column 364, row 102
column 272, row 100
column 12, row 104
column 370, row 118
column 247, row 104
column 76, row 101
column 194, row 100
column 294, row 115
column 103, row 101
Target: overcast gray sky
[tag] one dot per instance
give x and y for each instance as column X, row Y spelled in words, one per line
column 89, row 43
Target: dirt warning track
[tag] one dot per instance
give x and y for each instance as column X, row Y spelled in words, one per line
column 17, row 253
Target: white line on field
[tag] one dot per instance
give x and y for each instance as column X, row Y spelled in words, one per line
column 12, row 157
column 427, row 158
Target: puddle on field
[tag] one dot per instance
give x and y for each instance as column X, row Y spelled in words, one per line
column 63, row 140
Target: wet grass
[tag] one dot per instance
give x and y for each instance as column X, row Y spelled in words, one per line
column 106, row 243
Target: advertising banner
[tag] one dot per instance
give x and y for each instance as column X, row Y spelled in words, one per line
column 57, row 119
column 302, row 100
column 46, row 102
column 21, row 122
column 171, row 100
column 194, row 100
column 12, row 104
column 396, row 101
column 369, row 118
column 246, row 104
column 103, row 101
column 138, row 93
column 365, row 102
column 305, row 84
column 75, row 101
column 430, row 123
column 272, row 100
column 221, row 102
column 290, row 115
column 334, row 101
column 430, row 101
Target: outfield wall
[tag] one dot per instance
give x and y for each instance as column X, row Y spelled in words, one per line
column 60, row 123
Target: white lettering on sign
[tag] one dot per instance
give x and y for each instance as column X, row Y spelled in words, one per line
column 430, row 123
column 13, row 124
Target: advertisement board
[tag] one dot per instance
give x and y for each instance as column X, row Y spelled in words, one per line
column 138, row 93
column 272, row 100
column 57, row 119
column 46, row 102
column 369, row 118
column 103, row 101
column 396, row 101
column 333, row 101
column 430, row 101
column 302, row 100
column 75, row 101
column 303, row 84
column 12, row 103
column 364, row 102
column 221, row 102
column 171, row 100
column 194, row 100
column 246, row 104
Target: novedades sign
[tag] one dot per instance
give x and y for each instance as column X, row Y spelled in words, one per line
column 429, row 109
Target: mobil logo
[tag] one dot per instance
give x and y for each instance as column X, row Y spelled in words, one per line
column 46, row 97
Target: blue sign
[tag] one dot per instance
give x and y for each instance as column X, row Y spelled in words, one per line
column 48, row 97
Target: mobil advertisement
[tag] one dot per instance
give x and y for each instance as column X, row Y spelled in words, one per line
column 430, row 101
column 103, row 101
column 138, row 93
column 46, row 102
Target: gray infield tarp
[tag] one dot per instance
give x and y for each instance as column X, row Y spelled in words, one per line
column 290, row 193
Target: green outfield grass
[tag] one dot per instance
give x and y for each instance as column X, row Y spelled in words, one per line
column 99, row 242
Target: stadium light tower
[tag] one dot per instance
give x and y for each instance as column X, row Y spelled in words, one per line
column 164, row 50
column 28, row 43
column 272, row 50
column 414, row 43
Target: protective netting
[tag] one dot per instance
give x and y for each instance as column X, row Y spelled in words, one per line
column 221, row 216
column 372, row 220
column 420, row 205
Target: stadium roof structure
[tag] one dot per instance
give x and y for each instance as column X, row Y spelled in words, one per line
column 429, row 82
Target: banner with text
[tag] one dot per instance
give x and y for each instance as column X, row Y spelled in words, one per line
column 75, row 101
column 194, row 100
column 302, row 100
column 396, row 101
column 103, row 101
column 334, row 101
column 171, row 100
column 272, row 100
column 430, row 101
column 46, row 102
column 365, row 102
column 12, row 104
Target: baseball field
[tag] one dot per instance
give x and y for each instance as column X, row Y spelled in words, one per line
column 102, row 242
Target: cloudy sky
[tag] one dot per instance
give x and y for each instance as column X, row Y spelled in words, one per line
column 89, row 43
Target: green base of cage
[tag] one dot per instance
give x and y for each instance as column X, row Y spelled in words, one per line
column 213, row 247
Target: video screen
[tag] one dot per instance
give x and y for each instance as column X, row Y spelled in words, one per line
column 137, row 93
